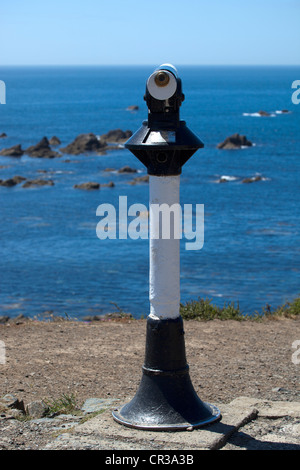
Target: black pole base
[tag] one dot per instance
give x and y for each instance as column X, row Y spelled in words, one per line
column 166, row 399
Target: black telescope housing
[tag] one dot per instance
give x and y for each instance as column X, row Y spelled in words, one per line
column 164, row 143
column 164, row 114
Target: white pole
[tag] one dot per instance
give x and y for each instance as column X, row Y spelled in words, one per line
column 164, row 279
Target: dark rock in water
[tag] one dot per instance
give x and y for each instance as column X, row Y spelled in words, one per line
column 235, row 141
column 284, row 111
column 132, row 108
column 263, row 113
column 84, row 143
column 3, row 135
column 116, row 136
column 12, row 181
column 140, row 179
column 9, row 182
column 253, row 179
column 127, row 169
column 41, row 150
column 54, row 141
column 111, row 184
column 37, row 182
column 18, row 179
column 88, row 186
column 15, row 151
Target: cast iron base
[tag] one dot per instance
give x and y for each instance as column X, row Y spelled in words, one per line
column 166, row 399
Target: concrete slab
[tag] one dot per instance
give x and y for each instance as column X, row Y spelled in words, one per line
column 277, row 426
column 269, row 409
column 103, row 433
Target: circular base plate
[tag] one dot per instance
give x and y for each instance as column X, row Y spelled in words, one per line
column 215, row 415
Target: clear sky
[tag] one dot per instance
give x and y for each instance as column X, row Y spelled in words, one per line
column 117, row 32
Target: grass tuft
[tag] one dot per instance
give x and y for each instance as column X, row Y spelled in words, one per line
column 66, row 404
column 205, row 310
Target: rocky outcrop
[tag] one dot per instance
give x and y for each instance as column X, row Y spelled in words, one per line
column 263, row 113
column 12, row 181
column 253, row 179
column 84, row 143
column 133, row 107
column 3, row 135
column 42, row 150
column 116, row 136
column 88, row 186
column 54, row 141
column 140, row 179
column 15, row 151
column 38, row 182
column 235, row 141
column 8, row 183
column 18, row 179
column 127, row 169
column 36, row 409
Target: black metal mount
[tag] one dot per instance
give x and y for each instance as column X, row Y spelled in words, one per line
column 166, row 399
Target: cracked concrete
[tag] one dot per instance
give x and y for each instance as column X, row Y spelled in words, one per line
column 246, row 423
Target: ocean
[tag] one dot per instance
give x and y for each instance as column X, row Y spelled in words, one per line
column 50, row 256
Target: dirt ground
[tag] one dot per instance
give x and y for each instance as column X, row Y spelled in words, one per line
column 227, row 359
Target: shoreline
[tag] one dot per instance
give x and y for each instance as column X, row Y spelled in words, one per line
column 201, row 310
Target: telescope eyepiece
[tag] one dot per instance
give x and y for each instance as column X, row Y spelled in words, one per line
column 162, row 79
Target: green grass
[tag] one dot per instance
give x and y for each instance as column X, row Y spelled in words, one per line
column 288, row 310
column 66, row 404
column 204, row 309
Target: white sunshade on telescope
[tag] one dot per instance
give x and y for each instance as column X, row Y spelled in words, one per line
column 162, row 92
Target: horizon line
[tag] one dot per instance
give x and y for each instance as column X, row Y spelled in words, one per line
column 148, row 65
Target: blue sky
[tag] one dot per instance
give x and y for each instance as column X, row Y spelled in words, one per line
column 117, row 32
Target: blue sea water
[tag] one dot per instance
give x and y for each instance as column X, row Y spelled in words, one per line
column 50, row 256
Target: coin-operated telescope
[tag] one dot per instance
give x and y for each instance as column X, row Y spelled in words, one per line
column 166, row 399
